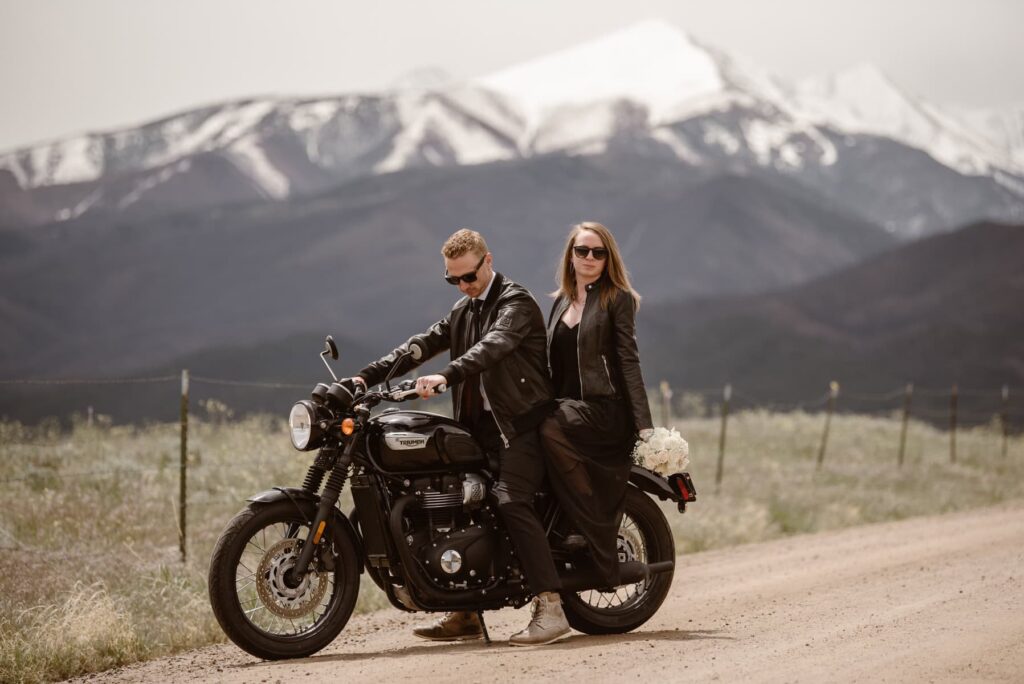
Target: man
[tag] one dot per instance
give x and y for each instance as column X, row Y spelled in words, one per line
column 498, row 347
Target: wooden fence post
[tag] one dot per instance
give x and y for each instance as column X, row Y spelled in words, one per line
column 726, row 396
column 1004, row 417
column 666, row 403
column 833, row 392
column 907, row 397
column 952, row 423
column 183, row 467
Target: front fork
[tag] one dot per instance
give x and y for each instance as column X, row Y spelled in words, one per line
column 335, row 483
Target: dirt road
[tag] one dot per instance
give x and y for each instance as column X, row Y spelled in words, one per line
column 927, row 599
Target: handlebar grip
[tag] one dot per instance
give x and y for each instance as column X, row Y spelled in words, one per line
column 440, row 389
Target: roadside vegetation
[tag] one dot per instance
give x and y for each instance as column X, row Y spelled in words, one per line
column 90, row 569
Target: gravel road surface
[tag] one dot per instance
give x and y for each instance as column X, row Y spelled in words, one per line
column 930, row 599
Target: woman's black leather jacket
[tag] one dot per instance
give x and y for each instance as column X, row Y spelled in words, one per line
column 609, row 362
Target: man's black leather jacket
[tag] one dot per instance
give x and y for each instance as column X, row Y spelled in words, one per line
column 608, row 357
column 510, row 356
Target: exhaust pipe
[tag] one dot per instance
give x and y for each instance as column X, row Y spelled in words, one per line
column 629, row 573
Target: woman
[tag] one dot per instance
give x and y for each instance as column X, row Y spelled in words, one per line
column 602, row 401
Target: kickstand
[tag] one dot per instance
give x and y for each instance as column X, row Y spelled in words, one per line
column 483, row 627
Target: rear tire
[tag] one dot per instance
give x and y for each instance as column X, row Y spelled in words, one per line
column 645, row 536
column 251, row 599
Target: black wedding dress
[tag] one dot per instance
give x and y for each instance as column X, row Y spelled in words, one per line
column 589, row 444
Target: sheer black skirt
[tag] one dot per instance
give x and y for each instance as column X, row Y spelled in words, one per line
column 589, row 445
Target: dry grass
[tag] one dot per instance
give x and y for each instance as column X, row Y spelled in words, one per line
column 771, row 485
column 90, row 570
column 90, row 575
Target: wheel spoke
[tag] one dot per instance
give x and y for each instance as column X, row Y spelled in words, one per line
column 257, row 607
column 266, row 602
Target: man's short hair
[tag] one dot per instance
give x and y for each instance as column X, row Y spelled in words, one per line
column 462, row 242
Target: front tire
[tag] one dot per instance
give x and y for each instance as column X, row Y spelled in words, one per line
column 251, row 592
column 645, row 536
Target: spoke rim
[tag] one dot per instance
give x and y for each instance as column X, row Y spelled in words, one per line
column 320, row 590
column 631, row 546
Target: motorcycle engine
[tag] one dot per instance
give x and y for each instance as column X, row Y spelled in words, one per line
column 453, row 531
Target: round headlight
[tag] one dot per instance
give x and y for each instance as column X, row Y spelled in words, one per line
column 302, row 426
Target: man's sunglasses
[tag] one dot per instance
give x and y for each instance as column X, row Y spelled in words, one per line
column 465, row 277
column 600, row 253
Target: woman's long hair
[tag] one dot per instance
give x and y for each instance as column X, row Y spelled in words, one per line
column 614, row 270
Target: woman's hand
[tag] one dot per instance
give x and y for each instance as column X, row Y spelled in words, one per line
column 646, row 434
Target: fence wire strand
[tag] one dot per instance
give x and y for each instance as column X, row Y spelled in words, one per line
column 248, row 383
column 98, row 381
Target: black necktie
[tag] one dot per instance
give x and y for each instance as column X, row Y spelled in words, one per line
column 472, row 401
column 477, row 308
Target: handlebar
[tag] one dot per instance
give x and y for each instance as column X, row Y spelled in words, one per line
column 407, row 390
column 404, row 390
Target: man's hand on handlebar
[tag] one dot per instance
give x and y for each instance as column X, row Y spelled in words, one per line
column 356, row 385
column 430, row 385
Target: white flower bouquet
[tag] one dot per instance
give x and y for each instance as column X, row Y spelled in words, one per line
column 665, row 452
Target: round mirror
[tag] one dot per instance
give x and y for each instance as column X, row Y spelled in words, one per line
column 417, row 348
column 331, row 348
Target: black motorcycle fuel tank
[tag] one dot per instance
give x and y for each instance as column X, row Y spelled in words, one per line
column 407, row 441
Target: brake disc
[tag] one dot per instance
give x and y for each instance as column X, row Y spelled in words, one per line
column 276, row 595
column 629, row 544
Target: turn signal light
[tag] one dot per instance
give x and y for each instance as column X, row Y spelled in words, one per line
column 348, row 426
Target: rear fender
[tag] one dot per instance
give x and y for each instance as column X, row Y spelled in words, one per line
column 653, row 484
column 299, row 497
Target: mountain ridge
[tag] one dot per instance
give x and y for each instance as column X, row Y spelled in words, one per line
column 733, row 112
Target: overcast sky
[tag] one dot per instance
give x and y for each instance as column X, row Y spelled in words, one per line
column 69, row 66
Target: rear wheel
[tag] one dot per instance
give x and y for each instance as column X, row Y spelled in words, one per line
column 257, row 602
column 645, row 536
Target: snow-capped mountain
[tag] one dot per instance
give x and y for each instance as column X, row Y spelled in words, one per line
column 1004, row 128
column 863, row 100
column 650, row 64
column 650, row 88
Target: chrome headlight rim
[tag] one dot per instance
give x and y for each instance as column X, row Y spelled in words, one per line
column 304, row 426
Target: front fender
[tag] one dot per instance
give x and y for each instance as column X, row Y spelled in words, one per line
column 299, row 496
column 293, row 494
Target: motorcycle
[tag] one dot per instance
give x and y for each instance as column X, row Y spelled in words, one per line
column 285, row 572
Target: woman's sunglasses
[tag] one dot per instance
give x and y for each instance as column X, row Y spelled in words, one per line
column 465, row 277
column 600, row 253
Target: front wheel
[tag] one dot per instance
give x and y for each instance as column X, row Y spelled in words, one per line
column 257, row 602
column 645, row 536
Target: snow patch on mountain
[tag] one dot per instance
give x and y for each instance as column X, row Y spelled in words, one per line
column 84, row 205
column 678, row 144
column 220, row 129
column 72, row 160
column 717, row 135
column 310, row 117
column 149, row 182
column 1002, row 127
column 10, row 162
column 573, row 128
column 863, row 100
column 431, row 131
column 251, row 157
column 651, row 63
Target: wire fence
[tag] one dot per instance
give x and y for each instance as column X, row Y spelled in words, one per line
column 939, row 406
